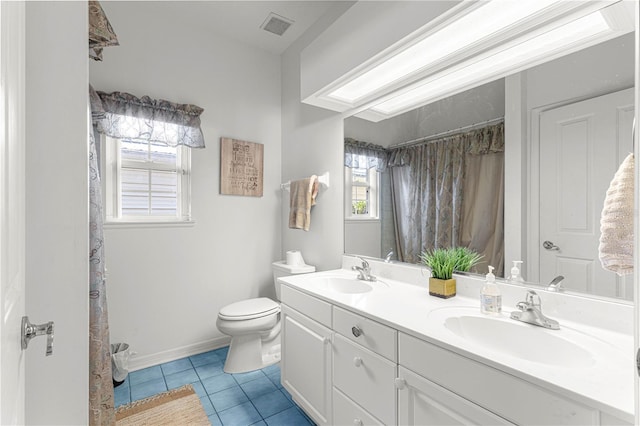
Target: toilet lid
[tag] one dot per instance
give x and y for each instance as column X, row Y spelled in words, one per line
column 249, row 309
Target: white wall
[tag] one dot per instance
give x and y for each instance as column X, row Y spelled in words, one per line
column 166, row 285
column 57, row 210
column 312, row 143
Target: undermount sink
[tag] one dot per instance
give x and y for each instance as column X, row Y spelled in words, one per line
column 519, row 340
column 342, row 285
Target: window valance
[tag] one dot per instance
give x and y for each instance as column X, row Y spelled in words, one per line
column 128, row 117
column 358, row 154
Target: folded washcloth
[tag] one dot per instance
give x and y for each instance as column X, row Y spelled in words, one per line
column 616, row 222
column 302, row 196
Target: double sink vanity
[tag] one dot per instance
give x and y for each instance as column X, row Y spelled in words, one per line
column 385, row 352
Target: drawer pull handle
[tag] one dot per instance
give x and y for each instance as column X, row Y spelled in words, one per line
column 400, row 383
column 357, row 422
column 357, row 361
column 357, row 331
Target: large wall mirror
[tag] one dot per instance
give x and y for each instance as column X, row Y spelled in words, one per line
column 566, row 126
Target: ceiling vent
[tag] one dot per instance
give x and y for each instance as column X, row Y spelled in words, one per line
column 276, row 24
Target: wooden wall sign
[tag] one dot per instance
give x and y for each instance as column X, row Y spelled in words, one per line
column 241, row 167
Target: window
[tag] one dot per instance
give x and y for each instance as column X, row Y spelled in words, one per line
column 146, row 181
column 361, row 193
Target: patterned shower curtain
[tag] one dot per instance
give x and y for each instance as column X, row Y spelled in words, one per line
column 101, row 403
column 101, row 400
column 449, row 193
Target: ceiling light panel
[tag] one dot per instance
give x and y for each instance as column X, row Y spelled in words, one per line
column 507, row 60
column 480, row 22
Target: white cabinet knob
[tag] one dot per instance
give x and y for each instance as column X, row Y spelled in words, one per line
column 357, row 422
column 357, row 361
column 356, row 331
column 326, row 340
column 400, row 383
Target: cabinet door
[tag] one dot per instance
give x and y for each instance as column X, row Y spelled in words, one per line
column 422, row 402
column 306, row 364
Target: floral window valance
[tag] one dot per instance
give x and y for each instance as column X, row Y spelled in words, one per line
column 128, row 117
column 359, row 155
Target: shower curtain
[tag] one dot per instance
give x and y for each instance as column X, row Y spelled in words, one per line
column 449, row 192
column 101, row 399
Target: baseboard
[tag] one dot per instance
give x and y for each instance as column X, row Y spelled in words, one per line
column 140, row 362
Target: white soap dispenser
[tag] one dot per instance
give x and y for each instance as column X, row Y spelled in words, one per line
column 515, row 272
column 490, row 297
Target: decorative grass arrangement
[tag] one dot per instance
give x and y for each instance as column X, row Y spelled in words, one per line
column 443, row 262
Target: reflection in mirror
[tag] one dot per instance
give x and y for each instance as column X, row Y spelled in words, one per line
column 567, row 128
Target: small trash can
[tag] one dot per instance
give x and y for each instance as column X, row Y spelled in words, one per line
column 119, row 362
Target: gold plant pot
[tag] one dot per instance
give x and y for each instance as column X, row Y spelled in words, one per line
column 442, row 288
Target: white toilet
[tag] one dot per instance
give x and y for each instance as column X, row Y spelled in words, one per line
column 254, row 326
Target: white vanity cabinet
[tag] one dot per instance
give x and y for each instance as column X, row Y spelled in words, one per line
column 343, row 368
column 306, row 353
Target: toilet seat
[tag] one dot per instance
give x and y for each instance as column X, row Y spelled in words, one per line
column 249, row 309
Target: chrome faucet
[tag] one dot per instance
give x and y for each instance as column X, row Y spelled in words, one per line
column 556, row 284
column 387, row 259
column 531, row 312
column 364, row 271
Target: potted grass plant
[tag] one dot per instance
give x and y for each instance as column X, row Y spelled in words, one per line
column 443, row 262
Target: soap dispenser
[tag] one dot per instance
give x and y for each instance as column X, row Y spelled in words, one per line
column 515, row 276
column 490, row 297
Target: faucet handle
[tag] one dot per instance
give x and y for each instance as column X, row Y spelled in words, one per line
column 365, row 264
column 522, row 306
column 533, row 299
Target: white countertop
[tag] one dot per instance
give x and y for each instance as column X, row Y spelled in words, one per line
column 605, row 382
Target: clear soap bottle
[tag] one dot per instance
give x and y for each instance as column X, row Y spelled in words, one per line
column 516, row 276
column 490, row 296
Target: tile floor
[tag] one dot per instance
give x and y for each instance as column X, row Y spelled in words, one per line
column 254, row 398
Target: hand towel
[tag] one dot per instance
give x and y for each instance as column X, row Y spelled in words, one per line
column 303, row 194
column 616, row 222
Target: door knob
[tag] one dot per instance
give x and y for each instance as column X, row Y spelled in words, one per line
column 550, row 246
column 29, row 331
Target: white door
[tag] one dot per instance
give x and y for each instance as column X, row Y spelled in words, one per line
column 581, row 147
column 12, row 213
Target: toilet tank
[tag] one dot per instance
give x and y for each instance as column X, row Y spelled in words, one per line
column 281, row 269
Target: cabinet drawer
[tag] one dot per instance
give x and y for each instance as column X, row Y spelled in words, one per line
column 490, row 388
column 365, row 377
column 312, row 307
column 372, row 335
column 347, row 412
